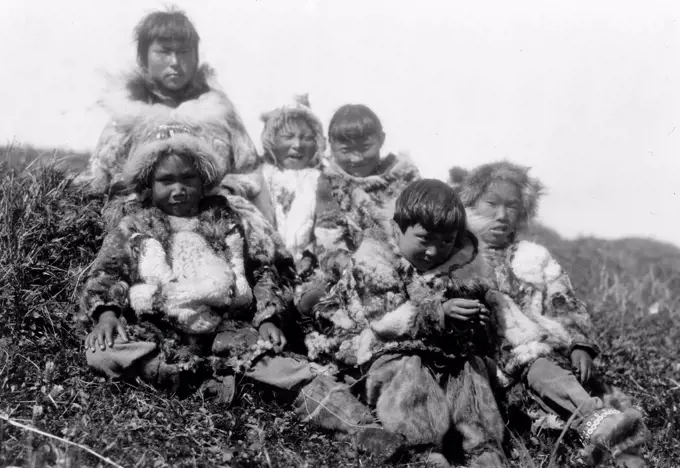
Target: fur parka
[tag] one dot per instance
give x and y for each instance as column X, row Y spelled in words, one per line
column 203, row 103
column 346, row 208
column 194, row 274
column 381, row 304
column 293, row 195
column 293, row 192
column 535, row 300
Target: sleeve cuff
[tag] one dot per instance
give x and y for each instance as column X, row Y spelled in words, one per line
column 591, row 348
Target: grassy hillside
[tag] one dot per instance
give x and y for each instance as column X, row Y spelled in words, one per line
column 49, row 233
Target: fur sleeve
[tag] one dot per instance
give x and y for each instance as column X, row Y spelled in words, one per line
column 244, row 152
column 252, row 187
column 108, row 282
column 269, row 267
column 533, row 263
column 374, row 292
column 112, row 148
column 332, row 237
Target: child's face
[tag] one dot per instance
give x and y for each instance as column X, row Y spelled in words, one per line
column 424, row 249
column 294, row 145
column 172, row 64
column 359, row 158
column 501, row 203
column 176, row 186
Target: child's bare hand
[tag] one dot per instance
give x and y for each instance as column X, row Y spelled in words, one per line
column 582, row 362
column 466, row 310
column 304, row 266
column 271, row 333
column 105, row 330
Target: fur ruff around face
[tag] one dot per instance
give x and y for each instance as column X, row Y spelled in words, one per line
column 472, row 185
column 173, row 138
column 274, row 121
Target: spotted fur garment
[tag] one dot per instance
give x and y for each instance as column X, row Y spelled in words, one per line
column 347, row 207
column 225, row 264
column 383, row 305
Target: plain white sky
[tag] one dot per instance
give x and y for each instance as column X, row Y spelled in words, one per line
column 586, row 92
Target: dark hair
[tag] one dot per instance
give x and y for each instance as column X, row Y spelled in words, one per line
column 353, row 122
column 172, row 24
column 431, row 203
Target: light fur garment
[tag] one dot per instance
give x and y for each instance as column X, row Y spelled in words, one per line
column 294, row 195
column 194, row 273
column 205, row 109
column 534, row 301
column 197, row 284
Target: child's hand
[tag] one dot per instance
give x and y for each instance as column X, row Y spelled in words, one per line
column 582, row 362
column 271, row 333
column 305, row 266
column 104, row 332
column 466, row 310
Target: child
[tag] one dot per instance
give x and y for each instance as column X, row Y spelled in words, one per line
column 169, row 75
column 407, row 311
column 183, row 266
column 293, row 143
column 502, row 199
column 356, row 191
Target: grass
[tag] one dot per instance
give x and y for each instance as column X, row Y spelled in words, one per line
column 49, row 233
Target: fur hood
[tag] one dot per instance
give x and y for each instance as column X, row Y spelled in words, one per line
column 276, row 118
column 472, row 185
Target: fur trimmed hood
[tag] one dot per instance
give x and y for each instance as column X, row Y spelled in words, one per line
column 276, row 118
column 472, row 185
column 165, row 137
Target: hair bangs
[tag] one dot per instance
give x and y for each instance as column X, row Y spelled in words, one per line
column 431, row 203
column 173, row 25
column 353, row 122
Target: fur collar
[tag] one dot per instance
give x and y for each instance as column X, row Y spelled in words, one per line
column 391, row 168
column 134, row 85
column 465, row 273
column 131, row 94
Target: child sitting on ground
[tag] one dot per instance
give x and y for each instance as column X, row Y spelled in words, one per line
column 408, row 313
column 356, row 191
column 502, row 199
column 187, row 274
column 293, row 143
